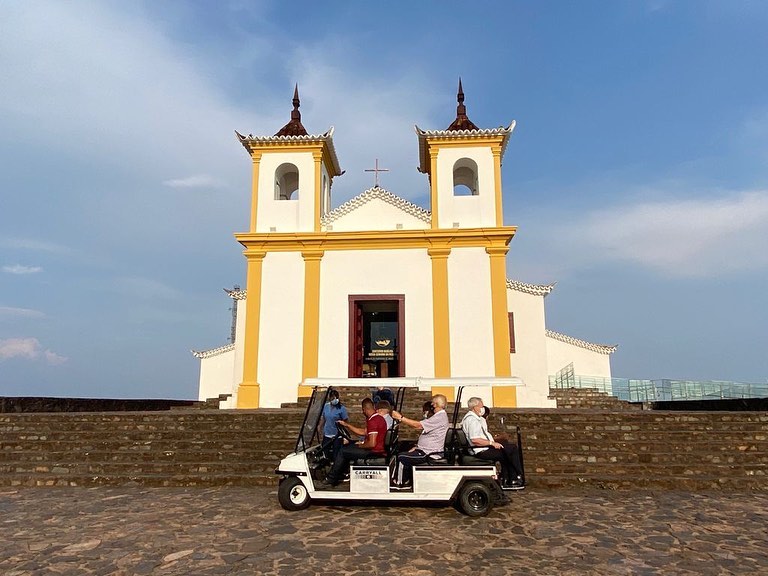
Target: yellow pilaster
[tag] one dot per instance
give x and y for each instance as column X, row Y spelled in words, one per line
column 440, row 311
column 248, row 391
column 433, row 186
column 256, row 157
column 317, row 156
column 503, row 396
column 311, row 318
column 496, row 151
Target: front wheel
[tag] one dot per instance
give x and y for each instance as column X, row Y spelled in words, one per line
column 292, row 494
column 475, row 499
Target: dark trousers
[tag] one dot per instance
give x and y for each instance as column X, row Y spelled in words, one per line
column 331, row 446
column 405, row 463
column 509, row 458
column 343, row 458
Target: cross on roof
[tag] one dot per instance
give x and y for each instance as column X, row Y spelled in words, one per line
column 376, row 170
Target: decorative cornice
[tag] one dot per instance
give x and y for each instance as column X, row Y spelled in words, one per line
column 599, row 348
column 456, row 136
column 371, row 194
column 535, row 289
column 251, row 142
column 212, row 352
column 235, row 294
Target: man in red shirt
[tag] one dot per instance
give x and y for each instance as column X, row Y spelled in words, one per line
column 373, row 444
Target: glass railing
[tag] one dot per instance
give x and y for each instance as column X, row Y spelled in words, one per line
column 633, row 390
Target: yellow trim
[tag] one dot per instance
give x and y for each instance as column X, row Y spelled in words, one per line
column 318, row 157
column 248, row 391
column 440, row 312
column 496, row 151
column 465, row 142
column 507, row 396
column 255, row 190
column 448, row 391
column 433, row 187
column 378, row 240
column 311, row 340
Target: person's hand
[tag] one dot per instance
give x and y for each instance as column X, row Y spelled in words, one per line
column 396, row 415
column 343, row 423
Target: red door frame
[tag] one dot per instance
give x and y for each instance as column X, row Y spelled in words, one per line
column 354, row 299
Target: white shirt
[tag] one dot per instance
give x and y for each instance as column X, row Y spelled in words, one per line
column 475, row 426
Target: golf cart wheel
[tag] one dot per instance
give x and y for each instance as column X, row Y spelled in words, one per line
column 475, row 499
column 292, row 494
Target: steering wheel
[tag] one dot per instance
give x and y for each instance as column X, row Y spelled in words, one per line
column 343, row 432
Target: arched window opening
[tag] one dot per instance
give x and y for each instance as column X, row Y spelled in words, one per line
column 287, row 182
column 465, row 178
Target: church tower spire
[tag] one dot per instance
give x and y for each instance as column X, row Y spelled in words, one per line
column 462, row 122
column 294, row 127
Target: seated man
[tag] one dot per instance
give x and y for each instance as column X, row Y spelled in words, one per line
column 486, row 448
column 384, row 408
column 373, row 444
column 431, row 442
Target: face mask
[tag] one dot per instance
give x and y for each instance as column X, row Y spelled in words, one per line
column 334, row 402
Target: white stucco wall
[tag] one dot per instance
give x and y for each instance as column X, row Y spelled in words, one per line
column 281, row 328
column 286, row 215
column 585, row 362
column 363, row 272
column 468, row 211
column 529, row 361
column 471, row 321
column 376, row 214
column 216, row 375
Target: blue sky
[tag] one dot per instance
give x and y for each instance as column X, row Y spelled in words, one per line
column 637, row 174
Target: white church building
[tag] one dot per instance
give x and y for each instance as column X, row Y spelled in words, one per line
column 382, row 289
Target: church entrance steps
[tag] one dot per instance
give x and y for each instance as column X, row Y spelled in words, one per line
column 562, row 447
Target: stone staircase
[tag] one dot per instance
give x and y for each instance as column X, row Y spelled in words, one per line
column 562, row 447
column 592, row 398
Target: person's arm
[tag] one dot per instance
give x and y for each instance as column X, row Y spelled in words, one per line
column 407, row 421
column 351, row 428
column 370, row 440
column 474, row 431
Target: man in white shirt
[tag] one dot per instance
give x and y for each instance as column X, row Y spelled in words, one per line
column 431, row 442
column 485, row 447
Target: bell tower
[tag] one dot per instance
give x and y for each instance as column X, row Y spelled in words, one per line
column 464, row 167
column 292, row 176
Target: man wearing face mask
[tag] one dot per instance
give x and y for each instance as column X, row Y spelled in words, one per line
column 486, row 448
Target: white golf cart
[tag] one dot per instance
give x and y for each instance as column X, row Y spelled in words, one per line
column 457, row 478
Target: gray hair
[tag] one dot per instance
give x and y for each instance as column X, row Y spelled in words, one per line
column 474, row 401
column 440, row 400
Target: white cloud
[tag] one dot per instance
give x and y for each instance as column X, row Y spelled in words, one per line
column 703, row 237
column 7, row 311
column 21, row 270
column 28, row 348
column 197, row 181
column 34, row 245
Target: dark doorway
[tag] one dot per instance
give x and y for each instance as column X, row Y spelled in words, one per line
column 376, row 336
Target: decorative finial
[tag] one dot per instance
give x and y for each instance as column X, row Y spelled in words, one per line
column 461, row 122
column 294, row 127
column 296, row 103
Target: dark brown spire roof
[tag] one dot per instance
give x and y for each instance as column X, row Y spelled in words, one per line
column 294, row 127
column 461, row 122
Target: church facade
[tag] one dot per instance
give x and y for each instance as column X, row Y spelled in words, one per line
column 380, row 288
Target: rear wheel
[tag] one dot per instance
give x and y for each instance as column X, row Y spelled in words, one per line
column 475, row 499
column 292, row 494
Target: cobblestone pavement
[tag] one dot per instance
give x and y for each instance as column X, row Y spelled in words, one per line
column 83, row 531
